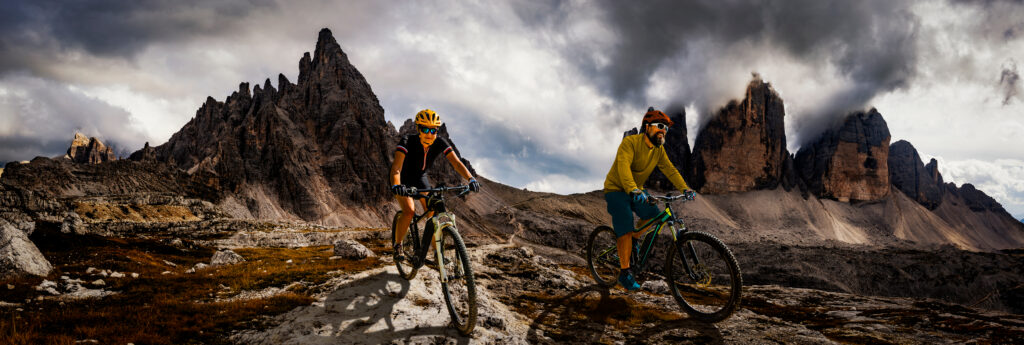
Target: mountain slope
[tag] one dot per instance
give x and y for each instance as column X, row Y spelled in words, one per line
column 309, row 151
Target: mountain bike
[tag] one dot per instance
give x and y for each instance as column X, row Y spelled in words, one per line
column 700, row 270
column 450, row 257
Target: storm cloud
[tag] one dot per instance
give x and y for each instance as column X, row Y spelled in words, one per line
column 1008, row 82
column 869, row 43
column 535, row 93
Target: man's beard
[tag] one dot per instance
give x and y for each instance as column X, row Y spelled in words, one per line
column 657, row 140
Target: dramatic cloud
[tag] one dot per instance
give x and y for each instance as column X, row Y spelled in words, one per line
column 536, row 93
column 866, row 44
column 1008, row 82
column 40, row 119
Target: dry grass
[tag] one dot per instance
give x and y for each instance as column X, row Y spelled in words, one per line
column 176, row 308
column 99, row 212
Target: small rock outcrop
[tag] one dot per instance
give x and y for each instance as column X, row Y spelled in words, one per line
column 849, row 162
column 975, row 199
column 909, row 174
column 89, row 150
column 225, row 257
column 353, row 250
column 18, row 255
column 743, row 147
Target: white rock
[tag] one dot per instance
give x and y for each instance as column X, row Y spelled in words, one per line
column 117, row 275
column 135, row 275
column 46, row 284
column 18, row 255
column 10, row 286
column 289, row 261
column 104, row 273
column 197, row 267
column 165, row 272
column 225, row 257
column 350, row 249
column 90, row 270
column 99, row 282
column 170, row 263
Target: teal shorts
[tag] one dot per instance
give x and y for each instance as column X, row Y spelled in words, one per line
column 622, row 207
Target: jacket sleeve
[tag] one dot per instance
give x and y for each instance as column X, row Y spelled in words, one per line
column 666, row 167
column 623, row 159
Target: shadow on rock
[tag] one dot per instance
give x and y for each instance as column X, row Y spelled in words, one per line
column 592, row 314
column 378, row 308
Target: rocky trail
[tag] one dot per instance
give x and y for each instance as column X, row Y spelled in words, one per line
column 288, row 285
column 533, row 294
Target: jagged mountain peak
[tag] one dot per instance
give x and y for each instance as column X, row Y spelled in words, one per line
column 301, row 151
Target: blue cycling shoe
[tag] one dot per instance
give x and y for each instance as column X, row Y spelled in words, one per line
column 627, row 281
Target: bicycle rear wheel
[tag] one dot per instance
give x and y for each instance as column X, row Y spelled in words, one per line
column 460, row 289
column 704, row 277
column 603, row 256
column 405, row 267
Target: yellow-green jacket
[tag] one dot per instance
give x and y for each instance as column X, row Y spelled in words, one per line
column 634, row 163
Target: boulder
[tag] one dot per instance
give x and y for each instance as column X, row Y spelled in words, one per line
column 89, row 150
column 18, row 255
column 352, row 250
column 225, row 257
column 743, row 146
column 850, row 161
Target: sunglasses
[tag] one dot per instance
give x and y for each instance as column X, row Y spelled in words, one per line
column 426, row 130
column 660, row 125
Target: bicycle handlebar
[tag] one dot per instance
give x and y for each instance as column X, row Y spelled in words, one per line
column 415, row 193
column 670, row 197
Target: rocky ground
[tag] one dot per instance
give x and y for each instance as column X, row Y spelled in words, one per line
column 296, row 294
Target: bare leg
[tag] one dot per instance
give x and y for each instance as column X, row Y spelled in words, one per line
column 625, row 245
column 408, row 209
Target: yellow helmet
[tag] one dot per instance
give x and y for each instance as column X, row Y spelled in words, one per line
column 428, row 118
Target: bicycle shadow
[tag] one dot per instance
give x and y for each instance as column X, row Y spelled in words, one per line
column 372, row 310
column 587, row 320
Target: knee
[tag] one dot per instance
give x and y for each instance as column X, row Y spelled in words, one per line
column 406, row 216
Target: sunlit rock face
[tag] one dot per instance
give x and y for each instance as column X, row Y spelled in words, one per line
column 89, row 150
column 849, row 162
column 743, row 147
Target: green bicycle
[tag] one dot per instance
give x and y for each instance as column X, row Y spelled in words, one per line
column 700, row 270
column 450, row 252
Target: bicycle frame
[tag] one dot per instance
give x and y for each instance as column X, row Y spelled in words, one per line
column 653, row 227
column 440, row 219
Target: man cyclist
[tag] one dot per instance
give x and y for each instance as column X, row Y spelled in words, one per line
column 636, row 158
column 414, row 154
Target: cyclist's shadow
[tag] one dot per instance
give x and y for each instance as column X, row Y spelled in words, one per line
column 585, row 320
column 362, row 310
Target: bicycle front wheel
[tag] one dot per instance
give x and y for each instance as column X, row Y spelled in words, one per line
column 704, row 277
column 603, row 256
column 405, row 267
column 459, row 289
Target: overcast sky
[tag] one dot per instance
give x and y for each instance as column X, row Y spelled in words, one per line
column 536, row 93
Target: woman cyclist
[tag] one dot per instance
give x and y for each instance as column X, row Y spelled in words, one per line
column 414, row 154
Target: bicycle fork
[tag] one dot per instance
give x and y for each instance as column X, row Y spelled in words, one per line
column 677, row 238
column 438, row 238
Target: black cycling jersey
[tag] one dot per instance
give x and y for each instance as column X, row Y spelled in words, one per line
column 414, row 168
